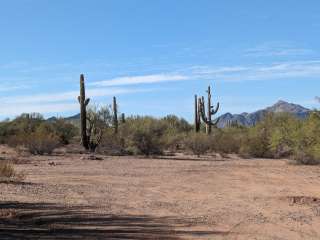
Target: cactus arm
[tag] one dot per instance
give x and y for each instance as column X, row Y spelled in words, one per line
column 214, row 111
column 215, row 122
column 206, row 111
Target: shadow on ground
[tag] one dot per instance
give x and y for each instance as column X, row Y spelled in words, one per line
column 49, row 221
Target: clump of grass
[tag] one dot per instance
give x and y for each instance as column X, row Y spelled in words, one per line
column 8, row 173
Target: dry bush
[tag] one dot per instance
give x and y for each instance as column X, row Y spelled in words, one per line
column 40, row 143
column 198, row 143
column 229, row 140
column 112, row 144
column 8, row 173
column 37, row 143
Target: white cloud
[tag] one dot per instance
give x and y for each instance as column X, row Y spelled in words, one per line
column 131, row 80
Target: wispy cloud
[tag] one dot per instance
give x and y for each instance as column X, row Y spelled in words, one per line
column 66, row 96
column 259, row 72
column 132, row 80
column 276, row 50
column 38, row 107
column 56, row 102
column 7, row 88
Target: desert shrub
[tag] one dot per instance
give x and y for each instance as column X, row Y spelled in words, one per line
column 17, row 131
column 41, row 141
column 63, row 130
column 283, row 135
column 308, row 156
column 143, row 135
column 229, row 140
column 257, row 142
column 174, row 142
column 307, row 141
column 198, row 143
column 111, row 143
column 8, row 173
column 174, row 125
column 23, row 124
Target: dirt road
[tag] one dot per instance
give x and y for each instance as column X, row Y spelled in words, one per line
column 70, row 197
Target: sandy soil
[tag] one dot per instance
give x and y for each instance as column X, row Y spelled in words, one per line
column 68, row 196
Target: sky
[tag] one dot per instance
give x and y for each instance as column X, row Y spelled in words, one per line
column 155, row 55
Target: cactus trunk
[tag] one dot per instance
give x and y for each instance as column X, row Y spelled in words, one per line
column 208, row 125
column 196, row 114
column 83, row 113
column 115, row 115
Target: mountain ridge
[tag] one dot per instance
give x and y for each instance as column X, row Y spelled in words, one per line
column 250, row 119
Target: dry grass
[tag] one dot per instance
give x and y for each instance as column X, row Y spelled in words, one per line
column 8, row 173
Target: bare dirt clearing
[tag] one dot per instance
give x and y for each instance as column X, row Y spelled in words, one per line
column 69, row 197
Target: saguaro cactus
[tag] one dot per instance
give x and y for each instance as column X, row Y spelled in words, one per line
column 83, row 113
column 123, row 118
column 115, row 115
column 197, row 120
column 207, row 117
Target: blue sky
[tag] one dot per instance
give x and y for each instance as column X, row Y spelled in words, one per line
column 155, row 55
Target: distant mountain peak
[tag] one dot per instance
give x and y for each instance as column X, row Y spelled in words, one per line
column 281, row 102
column 249, row 119
column 283, row 106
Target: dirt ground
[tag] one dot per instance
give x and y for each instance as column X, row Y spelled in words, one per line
column 68, row 196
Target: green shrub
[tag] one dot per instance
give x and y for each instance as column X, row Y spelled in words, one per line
column 283, row 135
column 143, row 135
column 307, row 141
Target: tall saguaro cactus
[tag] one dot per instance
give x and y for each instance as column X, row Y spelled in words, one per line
column 207, row 115
column 83, row 113
column 115, row 115
column 197, row 120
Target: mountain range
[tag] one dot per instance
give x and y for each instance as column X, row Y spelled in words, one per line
column 250, row 119
column 244, row 119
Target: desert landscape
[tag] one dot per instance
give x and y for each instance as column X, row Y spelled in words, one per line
column 146, row 120
column 69, row 196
